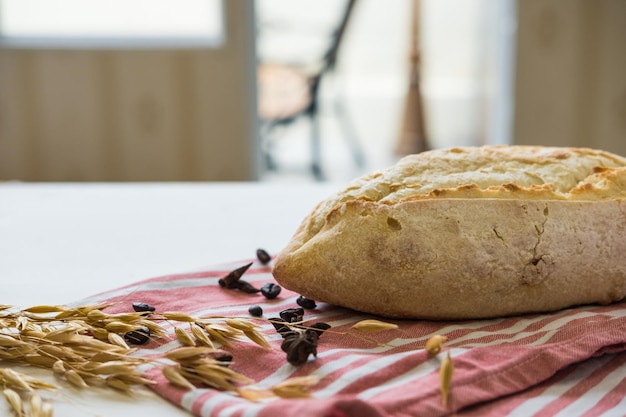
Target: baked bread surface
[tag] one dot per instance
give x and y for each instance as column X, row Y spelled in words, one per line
column 465, row 233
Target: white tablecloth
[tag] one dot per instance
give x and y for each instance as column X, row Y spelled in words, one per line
column 60, row 243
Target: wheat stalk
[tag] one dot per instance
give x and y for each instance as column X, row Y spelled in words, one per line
column 86, row 346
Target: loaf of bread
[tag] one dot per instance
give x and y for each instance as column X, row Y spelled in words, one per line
column 468, row 233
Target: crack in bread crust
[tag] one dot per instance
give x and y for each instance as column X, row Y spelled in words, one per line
column 538, row 267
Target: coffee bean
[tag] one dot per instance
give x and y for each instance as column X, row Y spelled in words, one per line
column 255, row 311
column 306, row 303
column 224, row 359
column 137, row 337
column 141, row 307
column 263, row 256
column 270, row 290
column 292, row 315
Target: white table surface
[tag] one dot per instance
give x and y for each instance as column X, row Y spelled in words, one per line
column 60, row 243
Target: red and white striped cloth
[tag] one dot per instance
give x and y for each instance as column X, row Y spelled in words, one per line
column 568, row 363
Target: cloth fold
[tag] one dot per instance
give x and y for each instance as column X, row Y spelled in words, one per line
column 543, row 364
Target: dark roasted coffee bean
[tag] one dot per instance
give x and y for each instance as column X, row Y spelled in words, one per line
column 137, row 337
column 306, row 303
column 224, row 359
column 270, row 290
column 263, row 256
column 292, row 315
column 141, row 307
column 320, row 327
column 245, row 286
column 230, row 280
column 255, row 311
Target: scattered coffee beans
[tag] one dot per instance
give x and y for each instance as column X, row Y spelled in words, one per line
column 298, row 342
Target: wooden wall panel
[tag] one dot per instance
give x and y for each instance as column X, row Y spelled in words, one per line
column 216, row 99
column 570, row 85
column 548, row 70
column 13, row 153
column 69, row 140
column 145, row 110
column 609, row 94
column 132, row 115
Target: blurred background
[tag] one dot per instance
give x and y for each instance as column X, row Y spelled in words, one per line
column 306, row 90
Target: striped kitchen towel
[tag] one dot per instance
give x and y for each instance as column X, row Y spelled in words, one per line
column 568, row 363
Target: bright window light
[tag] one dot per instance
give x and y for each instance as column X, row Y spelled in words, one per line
column 195, row 21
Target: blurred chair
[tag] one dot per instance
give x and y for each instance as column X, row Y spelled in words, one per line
column 290, row 91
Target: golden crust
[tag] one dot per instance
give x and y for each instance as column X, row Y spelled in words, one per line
column 468, row 233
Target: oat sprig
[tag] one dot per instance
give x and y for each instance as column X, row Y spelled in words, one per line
column 87, row 346
column 446, row 370
column 373, row 326
column 435, row 343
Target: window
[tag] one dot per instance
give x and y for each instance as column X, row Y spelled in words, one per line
column 111, row 22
